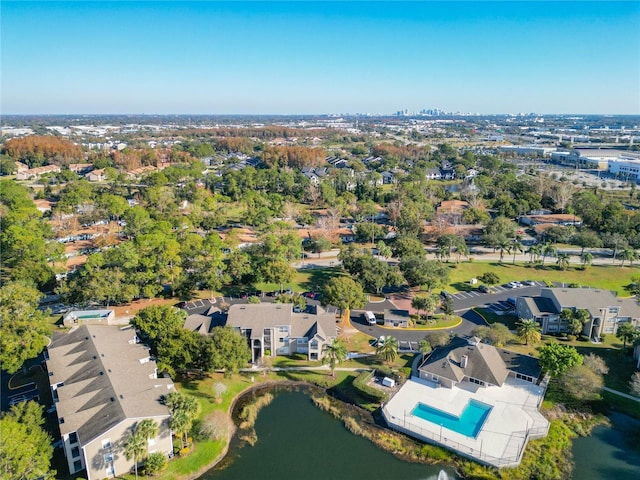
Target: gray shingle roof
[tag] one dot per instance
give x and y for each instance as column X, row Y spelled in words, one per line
column 485, row 362
column 592, row 300
column 105, row 380
column 257, row 317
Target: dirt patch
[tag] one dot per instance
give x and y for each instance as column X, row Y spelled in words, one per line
column 134, row 307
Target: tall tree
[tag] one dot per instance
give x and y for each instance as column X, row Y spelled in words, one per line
column 587, row 260
column 556, row 358
column 627, row 333
column 388, row 349
column 25, row 447
column 23, row 328
column 563, row 261
column 149, row 429
column 135, row 448
column 334, row 354
column 344, row 293
column 424, row 347
column 184, row 410
column 229, row 351
column 528, row 331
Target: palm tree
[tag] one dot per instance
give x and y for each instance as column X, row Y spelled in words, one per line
column 627, row 333
column 517, row 247
column 184, row 409
column 528, row 331
column 534, row 252
column 548, row 250
column 563, row 261
column 135, row 447
column 587, row 259
column 424, row 347
column 334, row 354
column 628, row 254
column 148, row 429
column 504, row 247
column 388, row 349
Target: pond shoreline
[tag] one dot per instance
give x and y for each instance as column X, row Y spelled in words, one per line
column 344, row 411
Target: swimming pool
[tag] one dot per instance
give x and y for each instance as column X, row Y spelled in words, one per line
column 468, row 424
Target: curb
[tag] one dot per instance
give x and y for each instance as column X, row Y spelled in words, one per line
column 400, row 329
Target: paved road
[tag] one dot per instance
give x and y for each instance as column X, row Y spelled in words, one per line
column 463, row 302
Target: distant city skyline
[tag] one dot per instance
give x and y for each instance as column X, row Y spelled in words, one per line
column 158, row 57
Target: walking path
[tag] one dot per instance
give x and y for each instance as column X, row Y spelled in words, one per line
column 625, row 395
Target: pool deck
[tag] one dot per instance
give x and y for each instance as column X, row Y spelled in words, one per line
column 513, row 420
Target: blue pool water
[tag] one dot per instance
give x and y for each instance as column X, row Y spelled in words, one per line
column 468, row 424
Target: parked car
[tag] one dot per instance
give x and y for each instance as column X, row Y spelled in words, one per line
column 483, row 289
column 370, row 318
column 445, row 294
column 531, row 283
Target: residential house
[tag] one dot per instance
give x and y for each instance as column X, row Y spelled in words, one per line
column 37, row 172
column 104, row 383
column 21, row 167
column 448, row 172
column 606, row 311
column 96, row 175
column 80, row 168
column 433, row 174
column 275, row 329
column 388, row 178
column 478, row 363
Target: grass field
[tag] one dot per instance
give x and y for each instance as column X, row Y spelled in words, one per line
column 608, row 277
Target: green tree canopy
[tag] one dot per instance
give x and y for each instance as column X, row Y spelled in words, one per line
column 344, row 293
column 25, row 447
column 23, row 328
column 229, row 350
column 556, row 358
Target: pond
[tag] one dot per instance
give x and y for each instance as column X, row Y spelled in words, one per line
column 297, row 440
column 610, row 452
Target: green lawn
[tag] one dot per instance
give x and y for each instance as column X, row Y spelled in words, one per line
column 311, row 279
column 609, row 277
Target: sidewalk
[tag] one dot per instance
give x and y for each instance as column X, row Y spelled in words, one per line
column 621, row 394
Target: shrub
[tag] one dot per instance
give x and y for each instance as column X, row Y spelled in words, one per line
column 360, row 384
column 155, row 464
column 571, row 338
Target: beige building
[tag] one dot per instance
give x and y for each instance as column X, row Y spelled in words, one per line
column 104, row 383
column 606, row 311
column 275, row 329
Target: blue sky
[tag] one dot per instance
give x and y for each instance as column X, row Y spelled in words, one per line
column 319, row 57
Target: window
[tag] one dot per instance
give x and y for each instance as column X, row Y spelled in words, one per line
column 152, row 442
column 77, row 465
column 75, row 452
column 300, row 341
column 106, row 443
column 283, row 340
column 283, row 329
column 73, row 438
column 108, row 458
column 110, row 472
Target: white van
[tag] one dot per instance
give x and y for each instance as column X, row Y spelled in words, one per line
column 370, row 318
